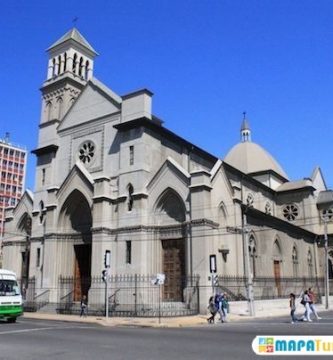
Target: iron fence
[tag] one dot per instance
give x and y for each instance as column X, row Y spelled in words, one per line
column 131, row 295
column 140, row 296
column 265, row 288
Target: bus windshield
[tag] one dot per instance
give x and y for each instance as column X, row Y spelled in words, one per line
column 9, row 288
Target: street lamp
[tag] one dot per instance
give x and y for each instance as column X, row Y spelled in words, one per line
column 245, row 234
column 325, row 204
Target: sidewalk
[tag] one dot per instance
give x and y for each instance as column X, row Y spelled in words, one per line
column 184, row 321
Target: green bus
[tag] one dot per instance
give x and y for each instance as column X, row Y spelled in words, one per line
column 11, row 305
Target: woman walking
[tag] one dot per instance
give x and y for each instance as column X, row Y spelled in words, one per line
column 292, row 304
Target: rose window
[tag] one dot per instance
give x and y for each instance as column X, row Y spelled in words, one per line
column 87, row 152
column 327, row 214
column 290, row 212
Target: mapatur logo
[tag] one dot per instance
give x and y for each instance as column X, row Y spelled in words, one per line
column 293, row 345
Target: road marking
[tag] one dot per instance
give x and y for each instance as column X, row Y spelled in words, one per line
column 248, row 323
column 25, row 330
column 45, row 328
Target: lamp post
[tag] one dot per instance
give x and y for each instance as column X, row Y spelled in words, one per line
column 244, row 231
column 250, row 296
column 325, row 218
column 324, row 204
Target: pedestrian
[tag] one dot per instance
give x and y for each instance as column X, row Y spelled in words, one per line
column 218, row 305
column 292, row 304
column 312, row 306
column 225, row 306
column 305, row 301
column 84, row 306
column 212, row 309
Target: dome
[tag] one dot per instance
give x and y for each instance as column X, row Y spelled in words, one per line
column 250, row 157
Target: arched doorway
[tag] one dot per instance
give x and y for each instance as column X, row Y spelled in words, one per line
column 76, row 221
column 171, row 214
column 24, row 227
column 277, row 259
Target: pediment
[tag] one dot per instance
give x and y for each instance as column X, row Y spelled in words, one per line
column 25, row 204
column 77, row 179
column 95, row 101
column 171, row 170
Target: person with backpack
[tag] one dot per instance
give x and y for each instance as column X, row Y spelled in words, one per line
column 218, row 304
column 305, row 302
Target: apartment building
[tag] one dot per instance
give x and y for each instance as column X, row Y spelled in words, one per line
column 12, row 179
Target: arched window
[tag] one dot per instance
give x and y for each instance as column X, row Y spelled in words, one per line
column 74, row 63
column 310, row 263
column 48, row 110
column 222, row 215
column 130, row 197
column 59, row 65
column 80, row 66
column 277, row 251
column 277, row 259
column 253, row 254
column 86, row 70
column 41, row 212
column 65, row 62
column 295, row 261
column 59, row 103
column 53, row 67
column 330, row 269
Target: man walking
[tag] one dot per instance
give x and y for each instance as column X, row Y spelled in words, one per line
column 84, row 306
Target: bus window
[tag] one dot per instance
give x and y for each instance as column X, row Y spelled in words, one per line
column 9, row 288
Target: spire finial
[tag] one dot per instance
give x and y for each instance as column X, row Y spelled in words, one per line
column 74, row 21
column 245, row 129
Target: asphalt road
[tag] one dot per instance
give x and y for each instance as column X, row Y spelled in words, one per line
column 30, row 339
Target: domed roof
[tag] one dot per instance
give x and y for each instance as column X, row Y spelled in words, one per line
column 250, row 157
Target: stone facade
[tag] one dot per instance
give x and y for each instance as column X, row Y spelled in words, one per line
column 110, row 176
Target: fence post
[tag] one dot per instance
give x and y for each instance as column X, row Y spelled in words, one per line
column 135, row 293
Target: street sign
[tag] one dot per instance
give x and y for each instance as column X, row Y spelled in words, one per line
column 107, row 259
column 212, row 264
column 159, row 279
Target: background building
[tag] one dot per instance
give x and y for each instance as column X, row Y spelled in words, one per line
column 110, row 176
column 13, row 169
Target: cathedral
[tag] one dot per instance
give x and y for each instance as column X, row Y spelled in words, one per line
column 111, row 176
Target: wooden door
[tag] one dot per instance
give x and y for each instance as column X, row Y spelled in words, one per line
column 174, row 269
column 82, row 272
column 277, row 276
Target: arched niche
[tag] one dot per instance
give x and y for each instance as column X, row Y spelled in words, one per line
column 75, row 215
column 170, row 208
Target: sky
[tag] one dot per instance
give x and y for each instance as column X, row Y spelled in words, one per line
column 206, row 61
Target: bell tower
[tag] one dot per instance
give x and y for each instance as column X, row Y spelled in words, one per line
column 70, row 66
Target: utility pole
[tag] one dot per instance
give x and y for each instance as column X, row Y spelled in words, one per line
column 246, row 258
column 326, row 218
column 106, row 274
column 325, row 207
column 250, row 295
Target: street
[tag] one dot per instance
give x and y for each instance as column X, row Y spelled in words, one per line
column 31, row 339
